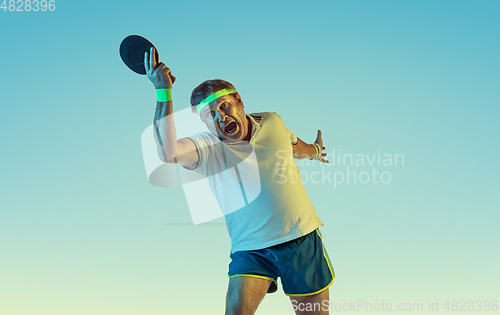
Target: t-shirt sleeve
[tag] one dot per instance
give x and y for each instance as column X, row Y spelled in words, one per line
column 195, row 166
column 293, row 137
column 203, row 145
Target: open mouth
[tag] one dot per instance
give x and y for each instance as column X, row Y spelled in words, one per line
column 230, row 128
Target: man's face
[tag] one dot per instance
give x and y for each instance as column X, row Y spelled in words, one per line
column 226, row 118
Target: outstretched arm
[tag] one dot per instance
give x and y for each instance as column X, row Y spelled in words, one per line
column 170, row 149
column 302, row 150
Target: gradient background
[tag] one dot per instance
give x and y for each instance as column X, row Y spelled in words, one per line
column 83, row 232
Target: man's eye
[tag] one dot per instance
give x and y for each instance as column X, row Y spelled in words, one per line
column 211, row 114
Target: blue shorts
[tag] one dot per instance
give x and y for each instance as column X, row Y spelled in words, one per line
column 302, row 264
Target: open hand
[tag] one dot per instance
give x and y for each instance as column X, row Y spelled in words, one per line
column 320, row 142
column 158, row 73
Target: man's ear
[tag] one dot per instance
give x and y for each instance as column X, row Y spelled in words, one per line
column 238, row 98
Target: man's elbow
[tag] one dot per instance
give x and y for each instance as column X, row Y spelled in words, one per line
column 166, row 158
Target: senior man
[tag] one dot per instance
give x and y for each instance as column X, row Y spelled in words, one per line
column 277, row 234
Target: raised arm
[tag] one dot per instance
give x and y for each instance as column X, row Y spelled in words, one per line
column 170, row 149
column 302, row 150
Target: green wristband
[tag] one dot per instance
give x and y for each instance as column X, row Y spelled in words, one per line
column 163, row 95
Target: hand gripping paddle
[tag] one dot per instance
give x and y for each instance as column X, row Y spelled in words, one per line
column 132, row 51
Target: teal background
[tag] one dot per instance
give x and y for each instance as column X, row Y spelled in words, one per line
column 82, row 231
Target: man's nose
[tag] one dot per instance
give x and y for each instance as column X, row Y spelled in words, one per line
column 222, row 115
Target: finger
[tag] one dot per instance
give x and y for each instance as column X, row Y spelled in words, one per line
column 153, row 53
column 166, row 70
column 146, row 61
column 163, row 68
column 152, row 64
column 319, row 136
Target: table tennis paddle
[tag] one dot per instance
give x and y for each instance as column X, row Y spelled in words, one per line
column 132, row 51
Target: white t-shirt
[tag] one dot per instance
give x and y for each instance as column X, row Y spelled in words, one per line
column 282, row 211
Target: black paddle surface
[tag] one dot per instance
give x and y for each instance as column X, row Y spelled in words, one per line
column 132, row 51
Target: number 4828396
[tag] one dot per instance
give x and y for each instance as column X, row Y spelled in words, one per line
column 28, row 5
